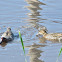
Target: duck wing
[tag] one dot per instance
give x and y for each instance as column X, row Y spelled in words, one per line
column 8, row 35
column 56, row 34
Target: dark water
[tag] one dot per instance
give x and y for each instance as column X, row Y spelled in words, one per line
column 27, row 16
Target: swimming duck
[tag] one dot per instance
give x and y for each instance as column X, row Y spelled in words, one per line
column 7, row 36
column 50, row 36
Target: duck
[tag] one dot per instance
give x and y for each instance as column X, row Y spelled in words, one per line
column 50, row 36
column 7, row 36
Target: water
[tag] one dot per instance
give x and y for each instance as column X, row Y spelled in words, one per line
column 27, row 16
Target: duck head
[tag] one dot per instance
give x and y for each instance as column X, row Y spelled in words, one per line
column 8, row 29
column 42, row 32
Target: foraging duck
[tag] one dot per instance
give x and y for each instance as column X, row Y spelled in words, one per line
column 50, row 36
column 7, row 36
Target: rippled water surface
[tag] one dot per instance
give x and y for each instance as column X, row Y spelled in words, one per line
column 27, row 16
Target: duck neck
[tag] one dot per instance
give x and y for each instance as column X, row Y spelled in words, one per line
column 45, row 33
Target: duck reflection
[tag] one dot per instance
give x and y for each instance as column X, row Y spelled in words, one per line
column 35, row 53
column 42, row 40
column 3, row 44
column 34, row 7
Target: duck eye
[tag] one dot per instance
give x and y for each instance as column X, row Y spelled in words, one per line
column 45, row 31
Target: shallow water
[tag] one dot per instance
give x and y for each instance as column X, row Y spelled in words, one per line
column 27, row 16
